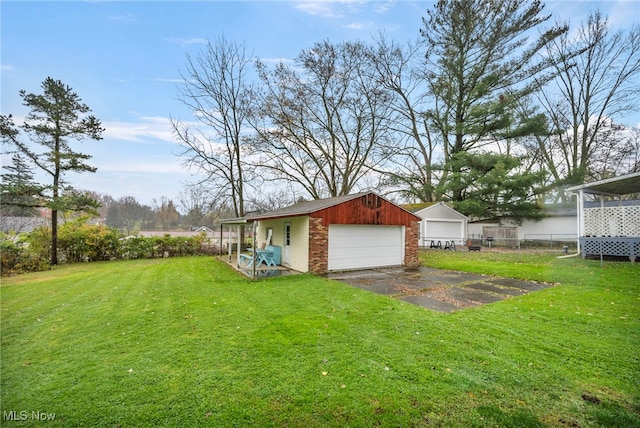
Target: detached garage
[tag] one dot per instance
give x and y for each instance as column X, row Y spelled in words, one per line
column 342, row 233
column 442, row 223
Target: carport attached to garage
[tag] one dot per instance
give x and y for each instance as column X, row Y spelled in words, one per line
column 365, row 246
column 347, row 232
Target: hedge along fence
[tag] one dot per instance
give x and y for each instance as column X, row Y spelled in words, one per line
column 139, row 247
column 80, row 242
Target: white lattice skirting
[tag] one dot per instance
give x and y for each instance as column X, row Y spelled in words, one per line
column 611, row 246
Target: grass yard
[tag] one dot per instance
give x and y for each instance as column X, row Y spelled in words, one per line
column 190, row 342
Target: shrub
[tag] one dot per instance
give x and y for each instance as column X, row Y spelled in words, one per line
column 16, row 258
column 78, row 241
column 135, row 247
column 39, row 242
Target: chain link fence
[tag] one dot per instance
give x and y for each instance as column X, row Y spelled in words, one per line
column 603, row 249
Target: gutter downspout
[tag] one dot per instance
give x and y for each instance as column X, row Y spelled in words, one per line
column 580, row 225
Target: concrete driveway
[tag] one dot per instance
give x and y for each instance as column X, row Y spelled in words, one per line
column 437, row 289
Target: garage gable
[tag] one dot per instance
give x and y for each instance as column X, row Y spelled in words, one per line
column 440, row 211
column 367, row 208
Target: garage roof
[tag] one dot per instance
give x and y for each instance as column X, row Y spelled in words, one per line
column 616, row 186
column 305, row 207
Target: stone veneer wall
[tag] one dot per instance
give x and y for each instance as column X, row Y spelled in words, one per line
column 318, row 246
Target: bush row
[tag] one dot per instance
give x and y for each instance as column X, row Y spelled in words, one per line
column 80, row 242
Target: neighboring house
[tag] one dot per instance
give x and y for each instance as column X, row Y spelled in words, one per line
column 442, row 223
column 346, row 232
column 9, row 224
column 12, row 224
column 212, row 236
column 559, row 224
column 175, row 233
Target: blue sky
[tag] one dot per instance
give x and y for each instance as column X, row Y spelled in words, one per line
column 124, row 61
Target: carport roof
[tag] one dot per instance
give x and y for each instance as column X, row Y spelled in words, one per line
column 616, row 186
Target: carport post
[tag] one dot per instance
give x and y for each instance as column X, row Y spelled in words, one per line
column 238, row 245
column 229, row 245
column 255, row 249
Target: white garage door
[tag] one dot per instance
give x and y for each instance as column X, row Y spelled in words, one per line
column 444, row 230
column 365, row 246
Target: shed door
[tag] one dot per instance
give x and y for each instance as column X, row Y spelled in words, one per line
column 365, row 246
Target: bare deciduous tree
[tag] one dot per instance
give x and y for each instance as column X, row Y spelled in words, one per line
column 323, row 124
column 216, row 88
column 166, row 213
column 199, row 207
column 598, row 80
column 399, row 69
column 128, row 215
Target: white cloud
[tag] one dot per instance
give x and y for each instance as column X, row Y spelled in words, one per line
column 277, row 60
column 623, row 14
column 143, row 167
column 125, row 17
column 356, row 26
column 383, row 6
column 329, row 8
column 317, row 8
column 6, row 67
column 145, row 128
column 188, row 42
column 168, row 80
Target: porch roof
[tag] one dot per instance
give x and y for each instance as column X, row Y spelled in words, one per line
column 231, row 221
column 616, row 186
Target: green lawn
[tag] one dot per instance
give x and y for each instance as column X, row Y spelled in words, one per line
column 190, row 342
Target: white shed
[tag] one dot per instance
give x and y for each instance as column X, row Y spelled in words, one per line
column 442, row 223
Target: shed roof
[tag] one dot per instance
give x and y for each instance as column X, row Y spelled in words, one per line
column 439, row 206
column 616, row 186
column 414, row 208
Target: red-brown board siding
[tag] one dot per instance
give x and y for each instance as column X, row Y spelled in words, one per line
column 368, row 209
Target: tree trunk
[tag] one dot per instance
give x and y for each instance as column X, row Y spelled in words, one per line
column 54, row 237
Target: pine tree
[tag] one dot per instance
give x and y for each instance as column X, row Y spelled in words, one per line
column 21, row 195
column 56, row 118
